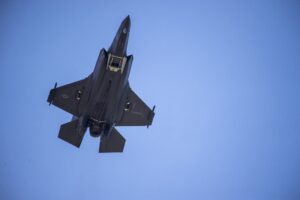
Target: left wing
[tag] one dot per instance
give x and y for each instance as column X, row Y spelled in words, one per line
column 68, row 97
column 136, row 112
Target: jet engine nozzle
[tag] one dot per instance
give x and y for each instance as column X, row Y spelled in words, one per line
column 95, row 131
column 98, row 129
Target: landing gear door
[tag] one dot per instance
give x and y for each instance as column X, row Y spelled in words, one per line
column 116, row 63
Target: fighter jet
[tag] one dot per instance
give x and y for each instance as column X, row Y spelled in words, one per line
column 104, row 99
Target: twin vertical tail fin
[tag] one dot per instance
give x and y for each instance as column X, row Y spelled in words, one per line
column 113, row 142
column 73, row 131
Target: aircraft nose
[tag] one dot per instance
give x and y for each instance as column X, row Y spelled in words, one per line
column 126, row 25
column 119, row 44
column 127, row 19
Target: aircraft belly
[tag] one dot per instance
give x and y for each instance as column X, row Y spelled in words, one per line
column 107, row 98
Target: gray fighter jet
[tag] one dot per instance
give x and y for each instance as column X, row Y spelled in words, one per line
column 104, row 99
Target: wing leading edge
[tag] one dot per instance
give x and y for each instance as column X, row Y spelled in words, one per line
column 136, row 112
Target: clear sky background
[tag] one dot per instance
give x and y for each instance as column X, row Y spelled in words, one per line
column 224, row 76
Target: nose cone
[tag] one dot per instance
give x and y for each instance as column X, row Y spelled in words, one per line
column 119, row 44
column 126, row 23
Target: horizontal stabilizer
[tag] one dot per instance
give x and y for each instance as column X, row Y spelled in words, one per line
column 113, row 142
column 71, row 133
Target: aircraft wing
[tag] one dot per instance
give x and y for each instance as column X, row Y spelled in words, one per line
column 136, row 112
column 67, row 97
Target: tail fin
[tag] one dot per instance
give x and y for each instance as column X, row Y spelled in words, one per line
column 113, row 142
column 72, row 132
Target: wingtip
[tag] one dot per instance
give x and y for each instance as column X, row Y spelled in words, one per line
column 151, row 116
column 51, row 94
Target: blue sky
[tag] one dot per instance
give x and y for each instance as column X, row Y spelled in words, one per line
column 223, row 75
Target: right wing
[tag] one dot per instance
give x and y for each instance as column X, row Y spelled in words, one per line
column 136, row 112
column 68, row 97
